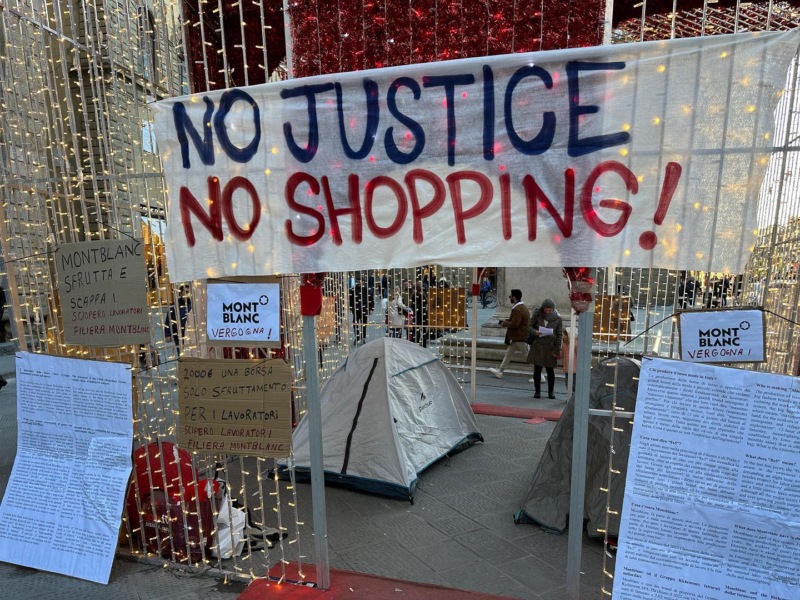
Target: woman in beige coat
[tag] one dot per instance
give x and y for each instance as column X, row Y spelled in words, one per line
column 544, row 336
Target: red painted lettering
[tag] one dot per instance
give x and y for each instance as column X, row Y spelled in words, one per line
column 402, row 206
column 454, row 183
column 536, row 198
column 227, row 208
column 354, row 209
column 422, row 212
column 590, row 215
column 212, row 220
column 292, row 184
column 505, row 205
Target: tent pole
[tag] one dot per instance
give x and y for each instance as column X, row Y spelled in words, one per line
column 315, row 448
column 579, row 444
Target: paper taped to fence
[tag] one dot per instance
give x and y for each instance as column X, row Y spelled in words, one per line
column 641, row 155
column 61, row 510
column 243, row 312
column 722, row 335
column 713, row 485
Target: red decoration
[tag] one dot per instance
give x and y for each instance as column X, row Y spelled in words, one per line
column 333, row 37
column 311, row 294
column 581, row 287
column 313, row 279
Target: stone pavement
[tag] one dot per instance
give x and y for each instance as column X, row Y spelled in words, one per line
column 459, row 532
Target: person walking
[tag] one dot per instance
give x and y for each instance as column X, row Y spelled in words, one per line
column 516, row 331
column 545, row 335
column 175, row 322
column 486, row 287
column 726, row 287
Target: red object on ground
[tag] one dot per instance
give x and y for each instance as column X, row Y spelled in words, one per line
column 345, row 584
column 175, row 476
column 518, row 413
column 178, row 469
column 164, row 532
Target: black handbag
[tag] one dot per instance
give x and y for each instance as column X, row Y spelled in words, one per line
column 507, row 341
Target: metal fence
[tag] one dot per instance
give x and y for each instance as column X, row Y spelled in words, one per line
column 78, row 161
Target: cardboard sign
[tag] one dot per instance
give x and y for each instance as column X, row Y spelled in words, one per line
column 102, row 286
column 576, row 156
column 723, row 335
column 244, row 312
column 235, row 406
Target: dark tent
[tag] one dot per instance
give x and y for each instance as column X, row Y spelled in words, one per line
column 546, row 502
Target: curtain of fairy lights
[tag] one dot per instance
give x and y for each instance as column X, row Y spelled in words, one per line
column 634, row 307
column 78, row 161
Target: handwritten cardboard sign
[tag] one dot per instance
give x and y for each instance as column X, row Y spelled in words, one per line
column 577, row 156
column 102, row 285
column 235, row 406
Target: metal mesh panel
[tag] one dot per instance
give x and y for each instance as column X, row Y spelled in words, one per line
column 653, row 295
column 78, row 161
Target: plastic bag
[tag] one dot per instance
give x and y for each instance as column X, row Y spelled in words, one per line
column 231, row 522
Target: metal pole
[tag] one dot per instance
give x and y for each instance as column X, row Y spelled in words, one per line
column 315, row 447
column 579, row 445
column 573, row 339
column 287, row 39
column 473, row 363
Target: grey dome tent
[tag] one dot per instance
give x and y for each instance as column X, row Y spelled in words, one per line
column 546, row 501
column 390, row 411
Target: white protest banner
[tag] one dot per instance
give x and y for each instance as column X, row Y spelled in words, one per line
column 724, row 335
column 103, row 290
column 647, row 154
column 244, row 312
column 713, row 485
column 62, row 509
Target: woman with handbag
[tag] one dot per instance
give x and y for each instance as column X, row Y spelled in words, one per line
column 544, row 336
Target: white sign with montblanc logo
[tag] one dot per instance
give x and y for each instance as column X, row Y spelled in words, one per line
column 243, row 312
column 722, row 336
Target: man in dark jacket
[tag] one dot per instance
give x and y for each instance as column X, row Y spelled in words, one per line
column 516, row 331
column 419, row 304
column 361, row 305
